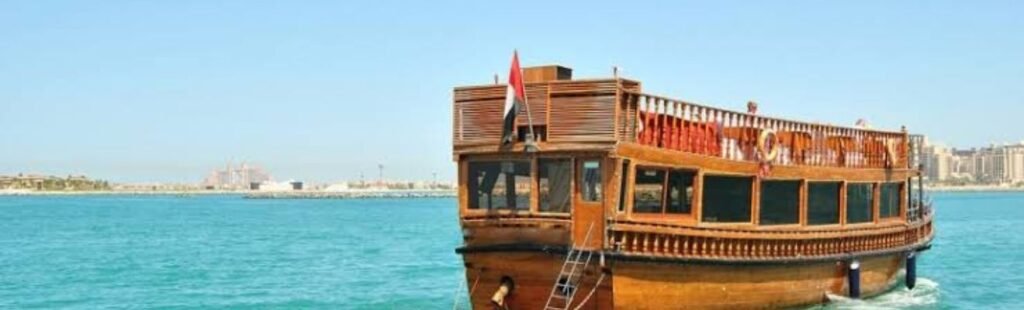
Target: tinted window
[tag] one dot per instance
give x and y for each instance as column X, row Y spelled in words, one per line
column 859, row 197
column 554, row 179
column 680, row 191
column 726, row 199
column 648, row 190
column 590, row 180
column 822, row 203
column 889, row 200
column 780, row 202
column 499, row 185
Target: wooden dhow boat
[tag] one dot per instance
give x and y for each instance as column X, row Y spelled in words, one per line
column 611, row 198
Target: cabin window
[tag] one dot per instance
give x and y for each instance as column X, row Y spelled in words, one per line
column 726, row 199
column 648, row 190
column 590, row 180
column 822, row 203
column 622, row 185
column 499, row 185
column 780, row 202
column 680, row 191
column 889, row 202
column 859, row 199
column 554, row 178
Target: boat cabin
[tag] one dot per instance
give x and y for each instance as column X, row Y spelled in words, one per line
column 626, row 166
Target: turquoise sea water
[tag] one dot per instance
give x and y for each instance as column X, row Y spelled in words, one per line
column 96, row 252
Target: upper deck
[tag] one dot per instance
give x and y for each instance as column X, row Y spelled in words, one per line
column 659, row 177
column 612, row 114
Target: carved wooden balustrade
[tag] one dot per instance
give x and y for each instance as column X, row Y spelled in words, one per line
column 711, row 243
column 687, row 127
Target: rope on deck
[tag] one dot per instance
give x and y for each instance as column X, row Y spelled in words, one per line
column 591, row 294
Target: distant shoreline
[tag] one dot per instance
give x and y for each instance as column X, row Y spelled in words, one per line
column 973, row 188
column 352, row 194
column 248, row 194
column 316, row 194
column 113, row 192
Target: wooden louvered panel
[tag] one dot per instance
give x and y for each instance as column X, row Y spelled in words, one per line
column 582, row 118
column 480, row 93
column 581, row 87
column 537, row 98
column 627, row 117
column 478, row 121
column 585, row 111
column 629, row 85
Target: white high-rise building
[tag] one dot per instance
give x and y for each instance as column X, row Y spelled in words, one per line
column 995, row 164
column 938, row 160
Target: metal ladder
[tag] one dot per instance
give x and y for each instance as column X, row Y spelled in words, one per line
column 569, row 277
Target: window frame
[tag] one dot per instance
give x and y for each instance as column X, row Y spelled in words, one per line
column 840, row 205
column 689, row 218
column 801, row 202
column 754, row 189
column 628, row 171
column 872, row 204
column 664, row 187
column 578, row 174
column 625, row 203
column 668, row 192
column 531, row 202
column 572, row 183
column 900, row 200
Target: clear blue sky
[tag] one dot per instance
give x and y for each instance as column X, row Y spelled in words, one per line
column 321, row 91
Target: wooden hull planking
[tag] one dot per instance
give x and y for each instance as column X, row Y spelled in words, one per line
column 669, row 285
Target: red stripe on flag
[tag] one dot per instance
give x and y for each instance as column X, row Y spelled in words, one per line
column 515, row 78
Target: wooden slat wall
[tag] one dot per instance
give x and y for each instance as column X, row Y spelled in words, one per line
column 585, row 112
column 537, row 99
column 627, row 117
column 582, row 119
column 477, row 115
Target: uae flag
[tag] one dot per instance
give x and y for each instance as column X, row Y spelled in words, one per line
column 515, row 98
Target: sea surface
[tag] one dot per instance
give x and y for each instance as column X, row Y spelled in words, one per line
column 215, row 252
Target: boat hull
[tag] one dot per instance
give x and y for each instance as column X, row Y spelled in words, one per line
column 638, row 284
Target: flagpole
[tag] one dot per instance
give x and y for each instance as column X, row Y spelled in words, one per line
column 531, row 143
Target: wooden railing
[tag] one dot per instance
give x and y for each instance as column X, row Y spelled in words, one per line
column 691, row 242
column 687, row 127
column 595, row 112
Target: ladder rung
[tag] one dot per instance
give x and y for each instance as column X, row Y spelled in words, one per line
column 564, row 291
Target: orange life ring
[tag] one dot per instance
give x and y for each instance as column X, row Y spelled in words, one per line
column 768, row 155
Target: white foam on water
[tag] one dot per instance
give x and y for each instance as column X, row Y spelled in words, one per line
column 925, row 295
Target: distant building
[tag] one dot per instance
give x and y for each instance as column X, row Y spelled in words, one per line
column 995, row 164
column 937, row 162
column 269, row 186
column 241, row 177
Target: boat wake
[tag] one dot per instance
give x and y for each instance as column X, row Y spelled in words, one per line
column 924, row 296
